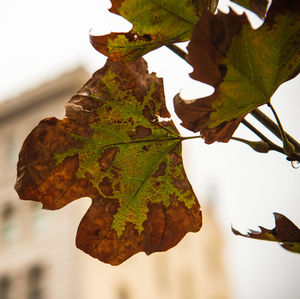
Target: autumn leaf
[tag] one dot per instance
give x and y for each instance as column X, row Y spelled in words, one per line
column 245, row 66
column 117, row 146
column 155, row 23
column 259, row 7
column 285, row 232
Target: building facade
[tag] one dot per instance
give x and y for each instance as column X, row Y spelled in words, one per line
column 38, row 256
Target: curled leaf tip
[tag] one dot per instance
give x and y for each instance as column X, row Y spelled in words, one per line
column 285, row 232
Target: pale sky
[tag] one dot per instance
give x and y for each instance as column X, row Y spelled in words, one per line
column 43, row 39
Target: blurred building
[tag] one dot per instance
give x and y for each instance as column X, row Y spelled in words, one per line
column 38, row 256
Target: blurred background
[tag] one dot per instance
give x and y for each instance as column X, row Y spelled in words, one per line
column 45, row 58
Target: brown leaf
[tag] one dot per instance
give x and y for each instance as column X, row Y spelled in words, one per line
column 259, row 7
column 210, row 42
column 111, row 148
column 285, row 232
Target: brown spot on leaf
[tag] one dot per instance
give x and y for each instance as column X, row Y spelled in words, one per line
column 175, row 158
column 118, row 187
column 182, row 184
column 131, row 121
column 147, row 113
column 106, row 186
column 222, row 69
column 108, row 157
column 115, row 172
column 152, row 105
column 161, row 170
column 141, row 132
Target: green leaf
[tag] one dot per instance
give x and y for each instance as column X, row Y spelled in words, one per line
column 245, row 66
column 114, row 147
column 259, row 7
column 285, row 232
column 155, row 23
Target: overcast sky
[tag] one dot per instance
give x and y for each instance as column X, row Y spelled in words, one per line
column 43, row 39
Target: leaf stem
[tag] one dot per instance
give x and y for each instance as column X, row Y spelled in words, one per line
column 272, row 146
column 273, row 127
column 179, row 138
column 288, row 147
column 178, row 51
column 190, row 137
column 258, row 146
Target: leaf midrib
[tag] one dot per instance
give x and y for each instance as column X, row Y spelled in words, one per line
column 123, row 209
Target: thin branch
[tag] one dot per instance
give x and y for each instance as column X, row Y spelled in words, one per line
column 178, row 51
column 191, row 137
column 288, row 147
column 258, row 146
column 272, row 126
column 272, row 146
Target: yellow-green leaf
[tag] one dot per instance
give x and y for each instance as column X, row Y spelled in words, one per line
column 155, row 23
column 245, row 66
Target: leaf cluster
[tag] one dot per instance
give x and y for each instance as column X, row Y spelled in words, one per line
column 118, row 145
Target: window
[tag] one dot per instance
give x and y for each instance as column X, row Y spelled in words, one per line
column 187, row 284
column 38, row 220
column 123, row 293
column 5, row 287
column 12, row 151
column 8, row 227
column 35, row 279
column 162, row 274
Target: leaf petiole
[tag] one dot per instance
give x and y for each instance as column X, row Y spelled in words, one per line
column 179, row 138
column 288, row 147
column 258, row 146
column 272, row 146
column 273, row 127
column 178, row 51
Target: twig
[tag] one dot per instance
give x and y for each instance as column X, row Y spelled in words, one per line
column 272, row 146
column 178, row 51
column 272, row 126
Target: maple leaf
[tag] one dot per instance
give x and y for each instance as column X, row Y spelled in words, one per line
column 285, row 232
column 259, row 7
column 245, row 66
column 155, row 23
column 112, row 148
